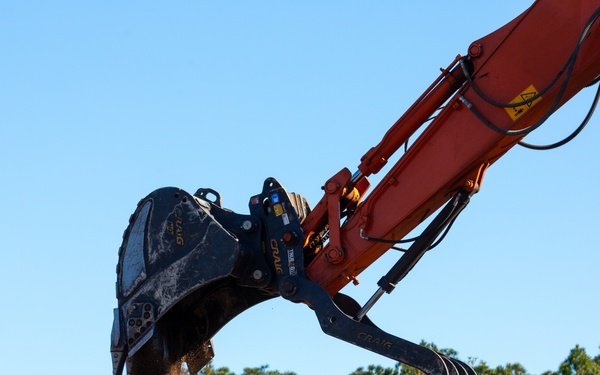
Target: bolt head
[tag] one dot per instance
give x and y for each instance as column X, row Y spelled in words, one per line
column 335, row 256
column 247, row 226
column 331, row 186
column 475, row 50
column 290, row 238
column 258, row 275
column 288, row 288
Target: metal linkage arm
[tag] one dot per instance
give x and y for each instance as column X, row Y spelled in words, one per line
column 336, row 323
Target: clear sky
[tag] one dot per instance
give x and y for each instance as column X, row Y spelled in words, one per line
column 102, row 102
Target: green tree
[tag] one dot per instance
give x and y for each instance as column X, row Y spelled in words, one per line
column 209, row 369
column 377, row 370
column 578, row 363
column 262, row 370
column 481, row 367
column 400, row 368
column 407, row 370
column 448, row 352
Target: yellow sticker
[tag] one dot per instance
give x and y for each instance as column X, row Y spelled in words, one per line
column 528, row 93
column 278, row 209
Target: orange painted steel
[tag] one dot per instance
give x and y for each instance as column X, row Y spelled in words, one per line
column 454, row 150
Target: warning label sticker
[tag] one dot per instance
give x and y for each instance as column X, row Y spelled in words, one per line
column 278, row 209
column 527, row 94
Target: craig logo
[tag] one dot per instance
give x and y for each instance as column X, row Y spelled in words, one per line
column 377, row 341
column 176, row 230
column 179, row 231
column 276, row 258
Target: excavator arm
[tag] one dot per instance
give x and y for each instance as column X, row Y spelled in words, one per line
column 187, row 265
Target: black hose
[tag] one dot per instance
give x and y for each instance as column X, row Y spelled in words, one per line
column 567, row 69
column 572, row 135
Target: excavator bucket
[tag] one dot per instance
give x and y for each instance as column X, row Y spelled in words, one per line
column 185, row 269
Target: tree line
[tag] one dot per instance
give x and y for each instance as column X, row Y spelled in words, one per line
column 578, row 362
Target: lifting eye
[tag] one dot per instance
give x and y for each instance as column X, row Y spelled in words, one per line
column 209, row 195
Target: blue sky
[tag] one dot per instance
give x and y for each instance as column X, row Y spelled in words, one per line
column 103, row 102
